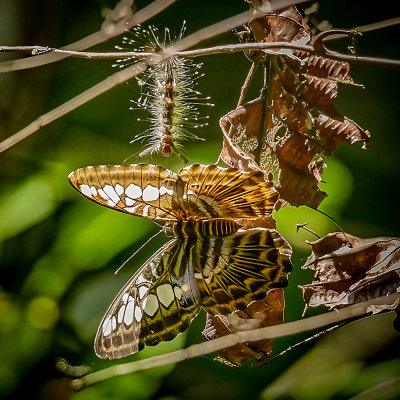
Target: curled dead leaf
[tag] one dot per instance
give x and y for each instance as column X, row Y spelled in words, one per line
column 289, row 131
column 350, row 270
column 261, row 313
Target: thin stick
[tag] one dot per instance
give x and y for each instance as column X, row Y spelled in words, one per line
column 89, row 41
column 74, row 103
column 223, row 342
column 225, row 49
column 368, row 28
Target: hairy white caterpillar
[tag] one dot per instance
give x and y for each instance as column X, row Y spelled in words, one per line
column 168, row 93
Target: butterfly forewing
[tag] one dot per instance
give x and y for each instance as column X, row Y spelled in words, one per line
column 140, row 189
column 156, row 304
column 214, row 192
column 234, row 270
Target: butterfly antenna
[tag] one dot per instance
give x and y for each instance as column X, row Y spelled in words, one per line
column 340, row 228
column 137, row 251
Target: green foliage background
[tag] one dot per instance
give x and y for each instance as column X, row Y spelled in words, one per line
column 58, row 251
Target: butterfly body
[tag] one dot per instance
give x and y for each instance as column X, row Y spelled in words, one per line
column 211, row 263
column 192, row 229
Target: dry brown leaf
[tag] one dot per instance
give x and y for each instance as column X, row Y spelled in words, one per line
column 261, row 313
column 285, row 25
column 290, row 131
column 350, row 270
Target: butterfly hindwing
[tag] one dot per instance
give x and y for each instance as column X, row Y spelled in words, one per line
column 234, row 270
column 140, row 189
column 215, row 192
column 156, row 304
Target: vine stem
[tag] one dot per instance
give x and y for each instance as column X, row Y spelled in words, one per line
column 223, row 342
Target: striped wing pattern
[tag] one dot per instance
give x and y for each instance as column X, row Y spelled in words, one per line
column 157, row 193
column 234, row 270
column 214, row 192
column 154, row 305
column 220, row 274
column 221, row 270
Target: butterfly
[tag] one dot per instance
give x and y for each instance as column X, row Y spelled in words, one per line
column 210, row 262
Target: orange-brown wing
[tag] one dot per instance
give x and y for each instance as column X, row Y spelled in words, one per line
column 139, row 189
column 214, row 192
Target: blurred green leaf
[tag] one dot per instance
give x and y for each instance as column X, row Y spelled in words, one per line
column 25, row 206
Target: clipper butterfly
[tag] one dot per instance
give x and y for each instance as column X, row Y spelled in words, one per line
column 210, row 263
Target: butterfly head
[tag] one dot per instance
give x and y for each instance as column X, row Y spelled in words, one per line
column 181, row 229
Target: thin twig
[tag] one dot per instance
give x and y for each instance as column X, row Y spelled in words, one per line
column 232, row 48
column 223, row 342
column 89, row 41
column 368, row 28
column 74, row 103
column 227, row 48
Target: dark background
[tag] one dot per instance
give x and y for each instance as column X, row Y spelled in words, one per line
column 58, row 251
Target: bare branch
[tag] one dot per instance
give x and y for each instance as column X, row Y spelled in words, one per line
column 89, row 41
column 368, row 28
column 215, row 345
column 228, row 48
column 74, row 103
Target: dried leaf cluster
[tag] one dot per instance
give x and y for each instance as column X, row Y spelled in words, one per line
column 287, row 133
column 350, row 270
column 293, row 125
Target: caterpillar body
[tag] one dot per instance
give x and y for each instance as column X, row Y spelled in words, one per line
column 168, row 94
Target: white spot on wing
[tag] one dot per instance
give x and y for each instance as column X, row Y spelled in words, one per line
column 107, row 326
column 133, row 191
column 150, row 193
column 128, row 317
column 164, row 190
column 129, row 201
column 132, row 209
column 121, row 313
column 165, row 294
column 85, row 189
column 93, row 190
column 125, row 298
column 119, row 189
column 150, row 305
column 141, row 279
column 146, row 211
column 110, row 192
column 142, row 291
column 102, row 194
column 178, row 292
column 138, row 314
